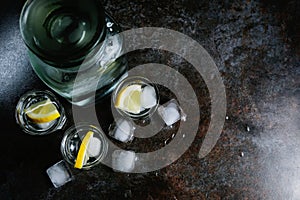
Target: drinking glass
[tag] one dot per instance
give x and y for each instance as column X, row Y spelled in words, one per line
column 72, row 140
column 147, row 97
column 68, row 38
column 39, row 125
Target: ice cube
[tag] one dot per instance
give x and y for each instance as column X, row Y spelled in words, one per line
column 123, row 161
column 123, row 130
column 171, row 112
column 59, row 174
column 46, row 125
column 148, row 97
column 94, row 147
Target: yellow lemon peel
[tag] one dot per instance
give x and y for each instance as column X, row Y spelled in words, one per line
column 82, row 153
column 42, row 112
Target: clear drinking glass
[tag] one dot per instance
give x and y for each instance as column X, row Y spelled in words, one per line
column 67, row 38
column 136, row 97
column 39, row 113
column 95, row 151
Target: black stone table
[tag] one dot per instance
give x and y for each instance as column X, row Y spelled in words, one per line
column 256, row 48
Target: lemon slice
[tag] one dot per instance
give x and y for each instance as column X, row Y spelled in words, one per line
column 129, row 99
column 42, row 112
column 82, row 156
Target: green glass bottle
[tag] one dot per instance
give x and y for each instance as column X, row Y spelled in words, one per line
column 73, row 47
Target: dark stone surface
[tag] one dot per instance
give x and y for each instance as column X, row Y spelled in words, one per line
column 256, row 47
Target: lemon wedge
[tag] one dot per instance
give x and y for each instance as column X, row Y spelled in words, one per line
column 129, row 99
column 42, row 112
column 82, row 156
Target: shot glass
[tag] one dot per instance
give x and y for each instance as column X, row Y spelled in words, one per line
column 40, row 113
column 136, row 97
column 84, row 146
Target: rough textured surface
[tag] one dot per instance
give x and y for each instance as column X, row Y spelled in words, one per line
column 256, row 47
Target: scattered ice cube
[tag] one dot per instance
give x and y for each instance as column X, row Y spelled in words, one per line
column 122, row 130
column 123, row 161
column 171, row 112
column 59, row 174
column 148, row 97
column 94, row 147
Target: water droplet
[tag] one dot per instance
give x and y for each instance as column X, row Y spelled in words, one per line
column 248, row 129
column 66, row 78
column 227, row 118
column 110, row 43
column 109, row 24
column 167, row 141
column 128, row 194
